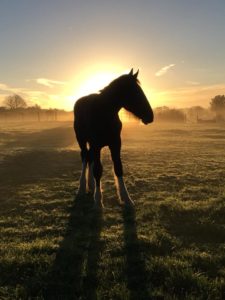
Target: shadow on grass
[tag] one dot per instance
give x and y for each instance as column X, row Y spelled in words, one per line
column 47, row 138
column 36, row 166
column 135, row 264
column 201, row 227
column 74, row 273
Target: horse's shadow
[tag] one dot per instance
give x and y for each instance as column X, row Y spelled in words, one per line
column 75, row 269
column 137, row 277
column 74, row 272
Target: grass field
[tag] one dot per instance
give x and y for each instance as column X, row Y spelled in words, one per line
column 55, row 246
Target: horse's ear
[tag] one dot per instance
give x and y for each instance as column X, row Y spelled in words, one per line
column 131, row 72
column 136, row 74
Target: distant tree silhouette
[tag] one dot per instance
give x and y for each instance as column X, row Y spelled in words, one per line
column 217, row 105
column 167, row 114
column 36, row 110
column 14, row 102
column 196, row 112
column 198, row 109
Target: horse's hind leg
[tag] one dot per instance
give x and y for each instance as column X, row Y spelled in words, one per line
column 90, row 177
column 97, row 170
column 84, row 158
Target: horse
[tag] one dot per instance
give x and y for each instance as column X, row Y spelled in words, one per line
column 97, row 124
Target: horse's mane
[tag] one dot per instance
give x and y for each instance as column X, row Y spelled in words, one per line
column 116, row 83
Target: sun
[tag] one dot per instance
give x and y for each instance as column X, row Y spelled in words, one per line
column 94, row 83
column 91, row 80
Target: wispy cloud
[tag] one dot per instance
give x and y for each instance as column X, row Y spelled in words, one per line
column 49, row 82
column 3, row 87
column 164, row 70
column 6, row 89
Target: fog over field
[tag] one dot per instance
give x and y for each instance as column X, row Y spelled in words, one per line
column 56, row 246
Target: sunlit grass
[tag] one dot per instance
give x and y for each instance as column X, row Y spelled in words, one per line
column 54, row 246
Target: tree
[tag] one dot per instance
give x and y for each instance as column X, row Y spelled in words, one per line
column 195, row 112
column 167, row 114
column 217, row 104
column 15, row 101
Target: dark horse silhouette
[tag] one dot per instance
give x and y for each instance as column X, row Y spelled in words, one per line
column 97, row 124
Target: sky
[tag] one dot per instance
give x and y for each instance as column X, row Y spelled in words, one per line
column 54, row 51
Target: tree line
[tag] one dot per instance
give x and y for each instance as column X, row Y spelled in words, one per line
column 215, row 112
column 15, row 108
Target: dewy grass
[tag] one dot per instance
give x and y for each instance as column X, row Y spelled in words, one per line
column 56, row 246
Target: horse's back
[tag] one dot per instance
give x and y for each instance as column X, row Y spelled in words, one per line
column 83, row 107
column 94, row 122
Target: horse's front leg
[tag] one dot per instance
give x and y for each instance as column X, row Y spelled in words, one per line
column 118, row 170
column 90, row 174
column 97, row 171
column 82, row 186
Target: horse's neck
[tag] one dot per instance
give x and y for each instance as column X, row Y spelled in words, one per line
column 112, row 101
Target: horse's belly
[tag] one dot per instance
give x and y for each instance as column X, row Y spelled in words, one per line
column 99, row 139
column 103, row 135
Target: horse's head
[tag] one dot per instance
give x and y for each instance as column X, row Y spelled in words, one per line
column 133, row 98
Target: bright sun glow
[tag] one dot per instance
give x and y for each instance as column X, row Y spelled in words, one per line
column 94, row 83
column 92, row 80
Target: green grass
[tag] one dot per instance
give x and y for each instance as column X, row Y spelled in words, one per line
column 56, row 246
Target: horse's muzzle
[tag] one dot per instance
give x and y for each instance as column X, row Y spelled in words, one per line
column 148, row 120
column 145, row 122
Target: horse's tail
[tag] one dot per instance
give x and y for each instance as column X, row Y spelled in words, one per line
column 79, row 128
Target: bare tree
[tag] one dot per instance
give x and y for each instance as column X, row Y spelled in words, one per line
column 15, row 101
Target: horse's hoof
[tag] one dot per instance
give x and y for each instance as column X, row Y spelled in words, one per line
column 126, row 200
column 91, row 187
column 129, row 203
column 98, row 205
column 90, row 192
column 120, row 203
column 98, row 198
column 81, row 193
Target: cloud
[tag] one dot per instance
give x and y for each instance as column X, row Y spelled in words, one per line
column 6, row 89
column 164, row 70
column 49, row 82
column 3, row 87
